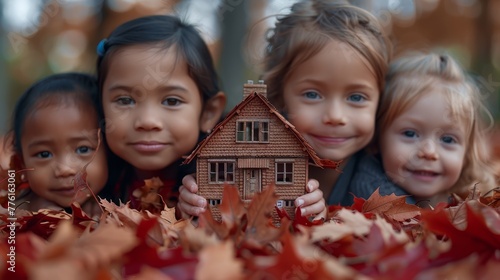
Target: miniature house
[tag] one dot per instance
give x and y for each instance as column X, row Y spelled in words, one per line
column 253, row 147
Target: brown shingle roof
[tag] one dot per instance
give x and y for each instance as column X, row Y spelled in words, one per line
column 312, row 154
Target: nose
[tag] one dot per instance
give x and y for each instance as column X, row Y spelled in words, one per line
column 428, row 150
column 66, row 167
column 334, row 113
column 147, row 119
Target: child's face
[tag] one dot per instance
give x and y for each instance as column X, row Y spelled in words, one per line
column 423, row 149
column 57, row 141
column 331, row 99
column 152, row 107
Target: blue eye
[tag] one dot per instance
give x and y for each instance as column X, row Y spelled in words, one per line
column 171, row 101
column 125, row 101
column 410, row 133
column 44, row 154
column 448, row 139
column 311, row 95
column 356, row 98
column 83, row 150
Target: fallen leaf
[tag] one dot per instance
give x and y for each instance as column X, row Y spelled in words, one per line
column 217, row 258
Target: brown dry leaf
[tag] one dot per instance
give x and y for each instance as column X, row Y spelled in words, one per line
column 207, row 221
column 312, row 254
column 168, row 215
column 104, row 245
column 492, row 199
column 149, row 273
column 259, row 228
column 232, row 207
column 149, row 195
column 298, row 259
column 403, row 212
column 60, row 242
column 491, row 218
column 351, row 222
column 194, row 239
column 92, row 250
column 460, row 270
column 219, row 262
column 61, row 269
column 122, row 215
column 388, row 232
column 380, row 204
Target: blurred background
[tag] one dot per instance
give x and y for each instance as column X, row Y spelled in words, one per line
column 41, row 37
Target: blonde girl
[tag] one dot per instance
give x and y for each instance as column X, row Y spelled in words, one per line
column 430, row 131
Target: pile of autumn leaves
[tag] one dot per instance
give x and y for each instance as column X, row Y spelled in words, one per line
column 378, row 238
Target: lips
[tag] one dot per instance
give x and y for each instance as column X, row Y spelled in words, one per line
column 424, row 175
column 65, row 191
column 331, row 140
column 148, row 146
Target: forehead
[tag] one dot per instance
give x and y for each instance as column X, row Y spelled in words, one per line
column 146, row 66
column 57, row 120
column 434, row 108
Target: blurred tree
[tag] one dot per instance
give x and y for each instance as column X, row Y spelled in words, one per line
column 4, row 88
column 68, row 31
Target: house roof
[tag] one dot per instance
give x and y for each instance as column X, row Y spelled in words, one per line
column 312, row 154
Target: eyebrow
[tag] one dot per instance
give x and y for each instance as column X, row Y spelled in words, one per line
column 161, row 88
column 353, row 85
column 50, row 141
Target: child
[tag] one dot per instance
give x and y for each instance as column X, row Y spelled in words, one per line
column 324, row 67
column 55, row 129
column 430, row 130
column 159, row 95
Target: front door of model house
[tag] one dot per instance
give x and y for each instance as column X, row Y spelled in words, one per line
column 252, row 183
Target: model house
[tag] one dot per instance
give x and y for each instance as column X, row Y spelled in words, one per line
column 253, row 147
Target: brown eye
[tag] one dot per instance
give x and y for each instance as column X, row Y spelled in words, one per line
column 83, row 150
column 171, row 102
column 125, row 101
column 44, row 154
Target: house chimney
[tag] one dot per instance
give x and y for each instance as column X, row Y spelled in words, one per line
column 250, row 88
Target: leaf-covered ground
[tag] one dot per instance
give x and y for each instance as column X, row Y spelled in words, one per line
column 378, row 238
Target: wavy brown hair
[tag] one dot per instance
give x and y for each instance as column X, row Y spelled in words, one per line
column 310, row 26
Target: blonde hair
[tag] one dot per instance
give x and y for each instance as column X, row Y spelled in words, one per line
column 309, row 27
column 415, row 74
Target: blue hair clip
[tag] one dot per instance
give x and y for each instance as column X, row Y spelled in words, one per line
column 101, row 47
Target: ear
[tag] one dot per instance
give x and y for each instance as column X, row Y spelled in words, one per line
column 212, row 111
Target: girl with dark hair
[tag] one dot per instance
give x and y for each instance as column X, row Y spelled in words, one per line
column 55, row 132
column 160, row 94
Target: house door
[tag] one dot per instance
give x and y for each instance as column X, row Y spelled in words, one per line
column 252, row 183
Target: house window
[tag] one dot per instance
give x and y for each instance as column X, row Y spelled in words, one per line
column 214, row 202
column 285, row 203
column 252, row 131
column 221, row 171
column 284, row 172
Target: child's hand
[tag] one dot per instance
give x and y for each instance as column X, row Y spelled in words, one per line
column 312, row 203
column 189, row 202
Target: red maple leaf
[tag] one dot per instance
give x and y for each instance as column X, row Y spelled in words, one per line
column 151, row 253
column 475, row 237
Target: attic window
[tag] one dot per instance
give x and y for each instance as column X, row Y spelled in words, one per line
column 252, row 131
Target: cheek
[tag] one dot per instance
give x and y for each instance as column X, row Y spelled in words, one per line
column 365, row 121
column 39, row 179
column 456, row 163
column 393, row 153
column 302, row 118
column 97, row 172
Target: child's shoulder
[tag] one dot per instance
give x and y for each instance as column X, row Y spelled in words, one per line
column 369, row 175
